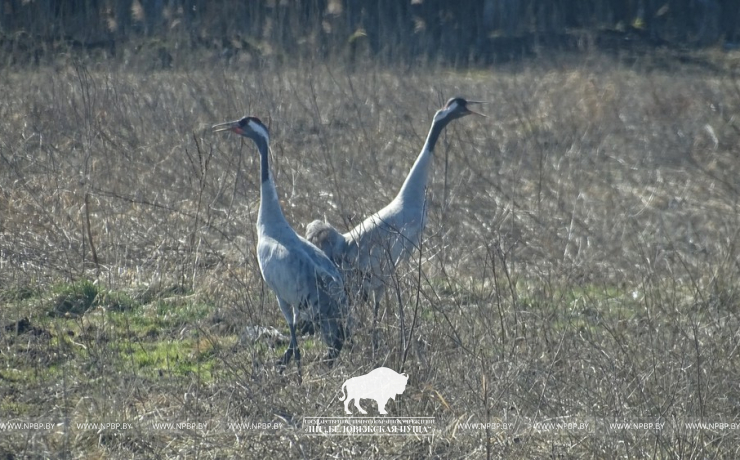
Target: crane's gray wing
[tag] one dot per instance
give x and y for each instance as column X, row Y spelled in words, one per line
column 332, row 304
column 323, row 265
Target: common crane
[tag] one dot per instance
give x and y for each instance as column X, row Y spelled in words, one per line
column 307, row 284
column 370, row 252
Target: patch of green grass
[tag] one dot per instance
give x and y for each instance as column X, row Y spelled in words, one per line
column 158, row 292
column 148, row 323
column 178, row 311
column 19, row 293
column 116, row 301
column 89, row 328
column 155, row 320
column 585, row 308
column 74, row 298
column 30, row 373
column 80, row 296
column 174, row 357
column 13, row 408
column 34, row 359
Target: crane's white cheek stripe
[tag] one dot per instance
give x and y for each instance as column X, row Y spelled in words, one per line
column 260, row 130
column 447, row 111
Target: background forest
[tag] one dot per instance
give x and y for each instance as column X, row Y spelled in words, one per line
column 427, row 30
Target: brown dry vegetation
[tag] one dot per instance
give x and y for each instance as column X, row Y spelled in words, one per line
column 580, row 261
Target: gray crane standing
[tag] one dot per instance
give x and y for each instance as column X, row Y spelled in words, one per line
column 307, row 284
column 369, row 253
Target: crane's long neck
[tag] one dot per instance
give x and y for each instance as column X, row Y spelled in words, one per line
column 270, row 212
column 414, row 186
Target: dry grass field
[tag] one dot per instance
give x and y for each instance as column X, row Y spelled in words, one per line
column 579, row 267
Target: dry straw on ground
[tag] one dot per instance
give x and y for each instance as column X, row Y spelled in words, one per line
column 580, row 261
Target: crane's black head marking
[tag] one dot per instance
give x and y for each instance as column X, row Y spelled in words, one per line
column 251, row 127
column 456, row 100
column 456, row 107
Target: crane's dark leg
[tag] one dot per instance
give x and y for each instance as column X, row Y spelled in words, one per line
column 292, row 350
column 334, row 338
column 330, row 317
column 333, row 334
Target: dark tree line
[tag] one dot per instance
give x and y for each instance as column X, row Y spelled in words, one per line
column 395, row 29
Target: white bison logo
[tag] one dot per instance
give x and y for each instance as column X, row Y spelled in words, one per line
column 382, row 384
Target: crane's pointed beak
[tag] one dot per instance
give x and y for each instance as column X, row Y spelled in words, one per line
column 473, row 112
column 228, row 126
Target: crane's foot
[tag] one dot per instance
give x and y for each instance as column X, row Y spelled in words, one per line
column 282, row 363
